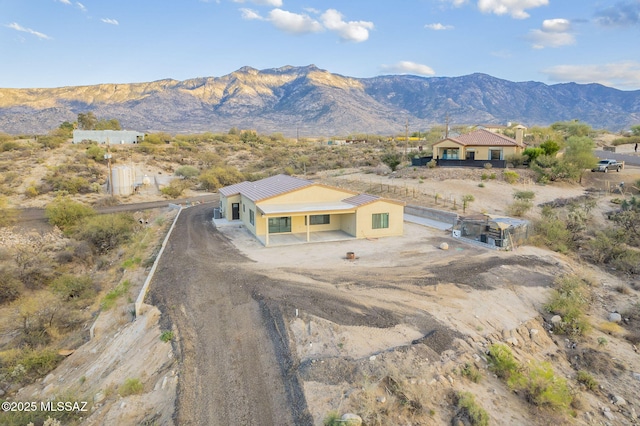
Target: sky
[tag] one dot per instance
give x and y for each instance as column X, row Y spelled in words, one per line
column 57, row 43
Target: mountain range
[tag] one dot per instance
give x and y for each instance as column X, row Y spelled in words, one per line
column 308, row 101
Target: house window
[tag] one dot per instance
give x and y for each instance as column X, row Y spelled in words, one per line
column 380, row 220
column 495, row 154
column 279, row 224
column 252, row 218
column 243, row 210
column 318, row 219
column 451, row 154
column 470, row 155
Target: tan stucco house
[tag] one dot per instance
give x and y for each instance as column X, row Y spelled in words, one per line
column 479, row 145
column 287, row 205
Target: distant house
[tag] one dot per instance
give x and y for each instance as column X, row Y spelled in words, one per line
column 113, row 137
column 283, row 204
column 477, row 148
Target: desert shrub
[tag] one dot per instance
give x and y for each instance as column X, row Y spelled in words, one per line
column 470, row 410
column 106, row 232
column 51, row 142
column 471, row 372
column 502, row 362
column 570, row 299
column 131, row 387
column 519, row 208
column 219, row 176
column 611, row 328
column 187, row 172
column 585, row 378
column 23, row 366
column 552, row 232
column 391, row 159
column 96, row 153
column 516, row 160
column 432, row 164
column 488, row 165
column 31, row 192
column 71, row 287
column 510, row 176
column 166, row 336
column 112, row 296
column 524, row 195
column 543, row 388
column 332, row 419
column 175, row 188
column 7, row 214
column 9, row 146
column 10, row 287
column 466, row 200
column 533, row 152
column 66, row 213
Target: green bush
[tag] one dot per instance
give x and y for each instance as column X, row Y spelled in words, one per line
column 332, row 419
column 71, row 287
column 111, row 297
column 552, row 232
column 570, row 299
column 96, row 153
column 219, row 176
column 66, row 213
column 106, row 232
column 174, row 189
column 7, row 214
column 10, row 287
column 587, row 380
column 543, row 388
column 510, row 176
column 476, row 415
column 502, row 362
column 166, row 336
column 187, row 172
column 131, row 387
column 519, row 208
column 471, row 372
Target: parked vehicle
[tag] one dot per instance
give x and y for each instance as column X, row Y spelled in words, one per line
column 606, row 165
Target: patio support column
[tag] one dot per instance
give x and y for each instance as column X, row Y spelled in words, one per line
column 266, row 235
column 307, row 217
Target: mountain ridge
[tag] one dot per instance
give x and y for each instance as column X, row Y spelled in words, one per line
column 314, row 102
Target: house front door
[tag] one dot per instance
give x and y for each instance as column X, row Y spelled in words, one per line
column 235, row 211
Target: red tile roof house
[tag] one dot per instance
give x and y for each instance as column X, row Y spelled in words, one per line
column 477, row 148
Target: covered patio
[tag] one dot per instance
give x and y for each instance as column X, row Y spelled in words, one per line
column 301, row 238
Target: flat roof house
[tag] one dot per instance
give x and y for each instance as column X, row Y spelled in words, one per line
column 114, row 137
column 287, row 205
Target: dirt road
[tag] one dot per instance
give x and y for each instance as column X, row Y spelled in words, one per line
column 236, row 366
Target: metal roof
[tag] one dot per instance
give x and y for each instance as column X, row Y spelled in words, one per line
column 319, row 207
column 483, row 137
column 265, row 188
column 361, row 199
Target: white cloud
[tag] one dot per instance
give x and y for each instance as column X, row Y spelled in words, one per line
column 455, row 3
column 65, row 2
column 81, row 6
column 408, row 67
column 554, row 33
column 515, row 8
column 294, row 23
column 621, row 74
column 110, row 21
column 356, row 31
column 438, row 27
column 250, row 14
column 558, row 25
column 622, row 14
column 272, row 3
column 18, row 27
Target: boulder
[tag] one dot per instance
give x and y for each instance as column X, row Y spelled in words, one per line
column 615, row 317
column 444, row 246
column 350, row 419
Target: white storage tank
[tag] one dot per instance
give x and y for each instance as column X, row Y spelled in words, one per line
column 123, row 178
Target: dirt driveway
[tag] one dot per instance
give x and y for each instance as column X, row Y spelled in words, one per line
column 235, row 366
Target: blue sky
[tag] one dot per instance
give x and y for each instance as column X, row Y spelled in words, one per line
column 55, row 43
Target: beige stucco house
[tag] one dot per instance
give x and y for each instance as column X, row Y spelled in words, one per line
column 287, row 205
column 479, row 145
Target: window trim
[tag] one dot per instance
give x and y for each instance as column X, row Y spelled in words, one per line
column 380, row 220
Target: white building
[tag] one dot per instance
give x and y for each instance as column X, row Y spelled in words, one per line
column 114, row 137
